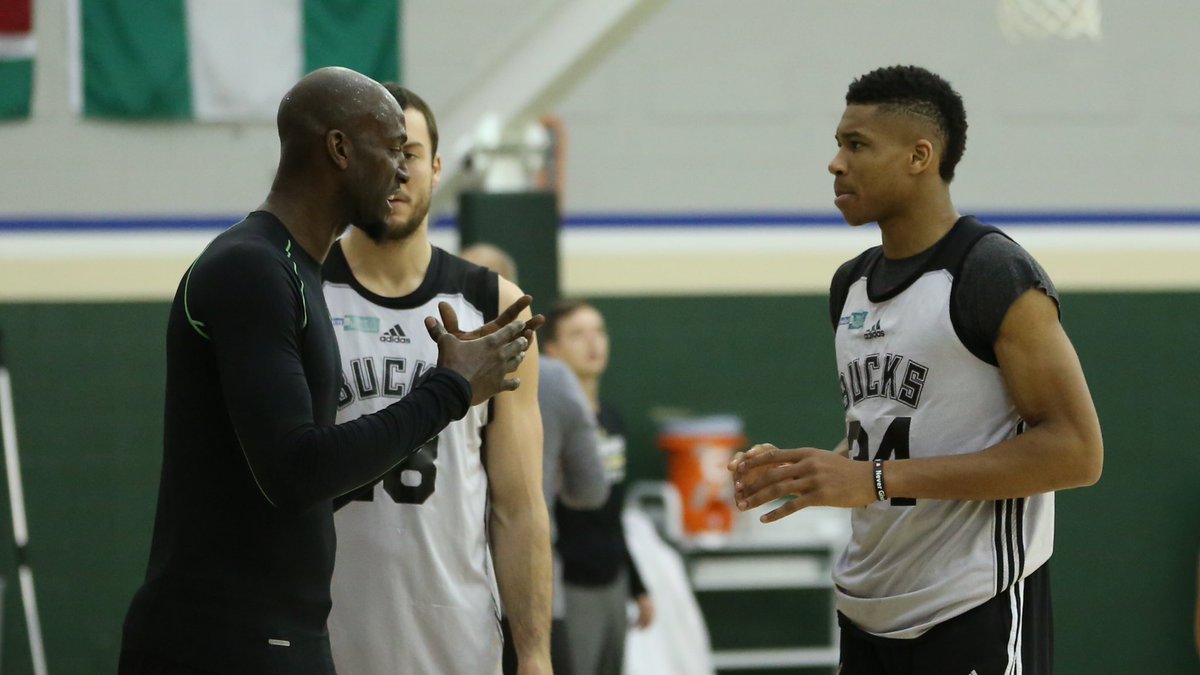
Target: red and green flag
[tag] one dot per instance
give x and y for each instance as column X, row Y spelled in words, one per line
column 16, row 58
column 222, row 60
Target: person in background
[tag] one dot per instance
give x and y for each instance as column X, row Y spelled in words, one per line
column 599, row 575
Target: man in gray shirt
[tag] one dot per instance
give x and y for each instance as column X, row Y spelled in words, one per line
column 572, row 468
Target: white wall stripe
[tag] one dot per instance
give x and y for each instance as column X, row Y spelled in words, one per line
column 616, row 262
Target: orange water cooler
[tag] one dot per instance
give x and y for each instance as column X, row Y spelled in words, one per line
column 698, row 452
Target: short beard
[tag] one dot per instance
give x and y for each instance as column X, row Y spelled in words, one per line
column 408, row 227
column 404, row 231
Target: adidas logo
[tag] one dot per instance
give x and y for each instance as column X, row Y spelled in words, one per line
column 394, row 334
column 874, row 332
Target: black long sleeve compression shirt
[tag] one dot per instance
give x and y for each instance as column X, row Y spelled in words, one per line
column 243, row 544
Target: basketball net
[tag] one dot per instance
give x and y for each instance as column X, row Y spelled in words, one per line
column 1022, row 20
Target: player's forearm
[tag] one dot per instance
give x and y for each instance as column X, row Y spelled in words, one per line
column 1047, row 457
column 321, row 463
column 521, row 545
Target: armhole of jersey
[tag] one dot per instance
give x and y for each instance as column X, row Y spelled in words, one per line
column 841, row 287
column 484, row 287
column 488, row 284
column 962, row 249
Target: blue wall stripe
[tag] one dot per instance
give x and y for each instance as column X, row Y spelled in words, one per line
column 81, row 224
column 803, row 219
column 618, row 220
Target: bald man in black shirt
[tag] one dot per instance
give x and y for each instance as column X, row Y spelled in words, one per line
column 243, row 547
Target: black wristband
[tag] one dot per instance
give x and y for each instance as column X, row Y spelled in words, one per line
column 880, row 488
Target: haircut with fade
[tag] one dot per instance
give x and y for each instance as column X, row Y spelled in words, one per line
column 916, row 92
column 408, row 99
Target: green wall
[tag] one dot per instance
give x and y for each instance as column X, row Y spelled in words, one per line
column 87, row 383
column 1124, row 569
column 524, row 224
column 88, row 380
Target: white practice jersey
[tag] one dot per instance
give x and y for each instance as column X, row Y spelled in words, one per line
column 414, row 590
column 911, row 388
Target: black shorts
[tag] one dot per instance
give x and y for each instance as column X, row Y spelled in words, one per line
column 1011, row 634
column 135, row 663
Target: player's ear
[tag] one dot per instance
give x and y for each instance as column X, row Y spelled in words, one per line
column 339, row 147
column 437, row 170
column 922, row 158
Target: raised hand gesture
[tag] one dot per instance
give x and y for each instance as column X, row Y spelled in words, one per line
column 487, row 355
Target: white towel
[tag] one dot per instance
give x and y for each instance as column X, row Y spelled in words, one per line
column 677, row 640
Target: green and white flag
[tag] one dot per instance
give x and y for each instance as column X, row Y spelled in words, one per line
column 16, row 58
column 222, row 60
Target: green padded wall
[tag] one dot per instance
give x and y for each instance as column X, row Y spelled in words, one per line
column 1124, row 569
column 523, row 224
column 88, row 384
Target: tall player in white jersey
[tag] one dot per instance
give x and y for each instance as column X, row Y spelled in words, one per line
column 426, row 555
column 966, row 408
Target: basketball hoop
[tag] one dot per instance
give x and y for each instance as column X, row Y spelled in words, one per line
column 1022, row 20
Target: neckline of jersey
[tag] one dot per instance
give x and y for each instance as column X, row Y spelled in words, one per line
column 422, row 294
column 919, row 271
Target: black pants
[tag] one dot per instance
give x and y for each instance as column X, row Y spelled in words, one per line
column 560, row 650
column 983, row 641
column 133, row 663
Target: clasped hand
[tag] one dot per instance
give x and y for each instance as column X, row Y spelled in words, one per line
column 811, row 476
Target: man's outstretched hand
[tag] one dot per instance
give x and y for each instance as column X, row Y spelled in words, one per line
column 485, row 356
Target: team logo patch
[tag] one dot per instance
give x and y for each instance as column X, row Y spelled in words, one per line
column 394, row 334
column 854, row 321
column 360, row 324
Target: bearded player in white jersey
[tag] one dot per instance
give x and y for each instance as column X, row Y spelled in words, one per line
column 426, row 556
column 966, row 408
